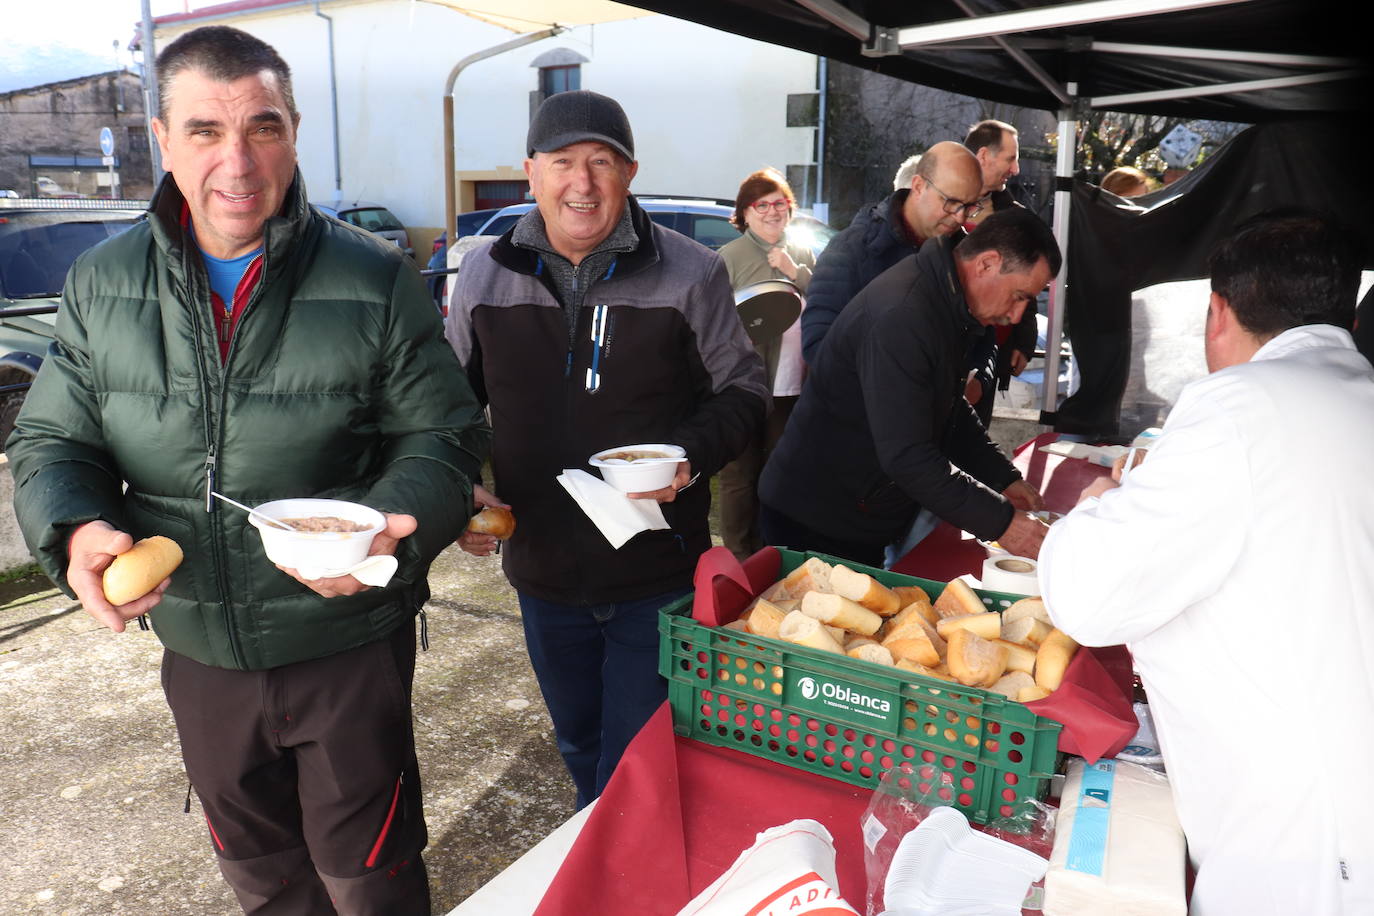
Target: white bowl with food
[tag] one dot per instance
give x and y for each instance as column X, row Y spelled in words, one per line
column 328, row 538
column 639, row 468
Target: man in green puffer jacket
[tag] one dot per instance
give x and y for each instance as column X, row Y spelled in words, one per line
column 240, row 341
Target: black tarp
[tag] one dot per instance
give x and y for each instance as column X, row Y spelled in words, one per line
column 981, row 69
column 1114, row 251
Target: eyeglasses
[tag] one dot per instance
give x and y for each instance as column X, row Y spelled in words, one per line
column 763, row 206
column 953, row 206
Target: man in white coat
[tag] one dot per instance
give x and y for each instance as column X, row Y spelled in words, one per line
column 1237, row 563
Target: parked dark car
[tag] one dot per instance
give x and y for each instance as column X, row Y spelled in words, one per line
column 39, row 240
column 468, row 224
column 375, row 218
column 704, row 220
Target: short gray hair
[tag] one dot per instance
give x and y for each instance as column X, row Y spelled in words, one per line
column 224, row 54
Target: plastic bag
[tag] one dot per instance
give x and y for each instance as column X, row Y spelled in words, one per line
column 898, row 806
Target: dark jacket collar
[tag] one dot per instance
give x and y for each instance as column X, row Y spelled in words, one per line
column 937, row 257
column 281, row 234
column 526, row 261
column 891, row 211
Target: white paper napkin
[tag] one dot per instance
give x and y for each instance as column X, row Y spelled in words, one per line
column 617, row 516
column 375, row 570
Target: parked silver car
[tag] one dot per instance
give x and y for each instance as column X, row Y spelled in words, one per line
column 375, row 218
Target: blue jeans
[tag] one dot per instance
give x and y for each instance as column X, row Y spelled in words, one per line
column 597, row 667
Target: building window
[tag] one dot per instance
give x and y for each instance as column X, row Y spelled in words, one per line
column 559, row 79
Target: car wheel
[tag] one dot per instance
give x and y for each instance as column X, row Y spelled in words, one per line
column 11, row 401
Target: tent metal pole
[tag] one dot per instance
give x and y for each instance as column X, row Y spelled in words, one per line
column 1063, row 197
column 1248, row 57
column 450, row 167
column 1056, row 16
column 1193, row 92
column 1021, row 57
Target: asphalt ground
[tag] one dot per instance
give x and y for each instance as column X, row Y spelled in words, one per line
column 92, row 796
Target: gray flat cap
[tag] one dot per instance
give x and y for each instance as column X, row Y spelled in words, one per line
column 578, row 117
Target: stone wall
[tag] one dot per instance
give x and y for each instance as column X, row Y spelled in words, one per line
column 64, row 120
column 874, row 122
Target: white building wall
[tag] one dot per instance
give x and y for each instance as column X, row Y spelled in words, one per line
column 707, row 107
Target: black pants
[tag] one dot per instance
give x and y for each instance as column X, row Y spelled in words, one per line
column 782, row 530
column 308, row 778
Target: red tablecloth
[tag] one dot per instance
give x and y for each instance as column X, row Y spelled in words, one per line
column 677, row 813
column 947, row 552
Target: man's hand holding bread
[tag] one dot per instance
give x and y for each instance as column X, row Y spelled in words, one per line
column 91, row 550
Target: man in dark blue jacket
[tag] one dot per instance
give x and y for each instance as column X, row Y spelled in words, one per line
column 883, row 417
column 944, row 192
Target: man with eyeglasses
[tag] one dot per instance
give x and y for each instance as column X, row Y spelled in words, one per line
column 945, row 191
column 587, row 327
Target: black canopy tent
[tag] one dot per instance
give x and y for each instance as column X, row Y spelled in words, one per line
column 1251, row 61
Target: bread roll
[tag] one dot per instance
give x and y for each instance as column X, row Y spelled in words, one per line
column 987, row 625
column 764, row 619
column 916, row 641
column 839, row 611
column 864, row 590
column 870, row 652
column 957, row 599
column 1031, row 694
column 807, row 631
column 1028, row 631
column 907, row 664
column 924, row 608
column 775, row 592
column 736, row 625
column 974, row 661
column 788, row 605
column 494, row 520
column 1019, row 657
column 811, row 576
column 909, row 593
column 1027, row 607
column 1012, row 683
column 137, row 571
column 1052, row 659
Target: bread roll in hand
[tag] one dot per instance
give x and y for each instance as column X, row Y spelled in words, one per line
column 138, row 570
column 496, row 521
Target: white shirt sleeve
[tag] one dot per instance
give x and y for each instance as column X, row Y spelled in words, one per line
column 1118, row 568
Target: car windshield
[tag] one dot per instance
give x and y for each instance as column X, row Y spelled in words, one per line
column 37, row 249
column 498, row 225
column 373, row 219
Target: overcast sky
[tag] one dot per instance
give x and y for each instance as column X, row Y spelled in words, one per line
column 43, row 41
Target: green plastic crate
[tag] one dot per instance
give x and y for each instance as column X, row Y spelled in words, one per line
column 853, row 720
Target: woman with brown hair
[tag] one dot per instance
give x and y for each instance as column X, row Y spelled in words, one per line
column 763, row 208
